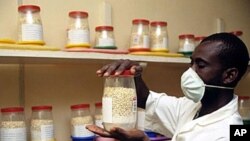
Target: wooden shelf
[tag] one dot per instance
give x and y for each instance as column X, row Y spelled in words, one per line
column 54, row 57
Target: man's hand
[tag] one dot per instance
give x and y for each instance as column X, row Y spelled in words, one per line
column 118, row 67
column 119, row 133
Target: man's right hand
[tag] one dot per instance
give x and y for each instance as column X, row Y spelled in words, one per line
column 118, row 67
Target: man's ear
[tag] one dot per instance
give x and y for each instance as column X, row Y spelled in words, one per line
column 230, row 75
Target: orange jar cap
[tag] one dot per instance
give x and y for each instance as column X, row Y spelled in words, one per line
column 32, row 8
column 76, row 14
column 100, row 28
column 12, row 109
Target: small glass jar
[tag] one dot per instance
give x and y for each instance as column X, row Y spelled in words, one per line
column 159, row 36
column 78, row 30
column 119, row 101
column 244, row 108
column 13, row 127
column 30, row 30
column 98, row 114
column 186, row 44
column 80, row 118
column 104, row 38
column 140, row 37
column 42, row 124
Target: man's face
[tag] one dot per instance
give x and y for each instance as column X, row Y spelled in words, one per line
column 206, row 63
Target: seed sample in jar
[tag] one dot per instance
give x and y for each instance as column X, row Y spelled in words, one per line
column 119, row 101
column 42, row 124
column 78, row 34
column 13, row 127
column 80, row 118
column 159, row 36
column 30, row 30
column 140, row 38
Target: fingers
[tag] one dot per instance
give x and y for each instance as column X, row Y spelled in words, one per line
column 97, row 130
column 118, row 67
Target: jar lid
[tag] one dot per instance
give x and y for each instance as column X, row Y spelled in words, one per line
column 244, row 97
column 142, row 21
column 81, row 14
column 44, row 107
column 183, row 36
column 160, row 23
column 124, row 73
column 100, row 28
column 98, row 104
column 237, row 33
column 198, row 38
column 12, row 109
column 79, row 106
column 32, row 8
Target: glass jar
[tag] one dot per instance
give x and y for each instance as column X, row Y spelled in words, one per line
column 105, row 37
column 159, row 36
column 186, row 44
column 42, row 124
column 78, row 30
column 80, row 118
column 140, row 39
column 98, row 114
column 244, row 109
column 13, row 127
column 30, row 30
column 119, row 101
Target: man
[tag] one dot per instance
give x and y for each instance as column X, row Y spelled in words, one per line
column 209, row 106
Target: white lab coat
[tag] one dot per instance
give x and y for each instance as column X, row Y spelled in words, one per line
column 173, row 117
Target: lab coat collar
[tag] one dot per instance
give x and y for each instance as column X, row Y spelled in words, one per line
column 220, row 114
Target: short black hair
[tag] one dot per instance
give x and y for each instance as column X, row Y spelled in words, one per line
column 233, row 52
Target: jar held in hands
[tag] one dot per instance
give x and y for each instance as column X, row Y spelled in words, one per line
column 119, row 101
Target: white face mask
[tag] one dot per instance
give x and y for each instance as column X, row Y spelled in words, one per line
column 193, row 87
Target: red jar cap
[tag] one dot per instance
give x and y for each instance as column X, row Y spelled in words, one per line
column 124, row 73
column 100, row 28
column 183, row 36
column 237, row 33
column 44, row 107
column 244, row 97
column 98, row 104
column 32, row 8
column 79, row 106
column 81, row 14
column 142, row 21
column 160, row 23
column 12, row 109
column 198, row 38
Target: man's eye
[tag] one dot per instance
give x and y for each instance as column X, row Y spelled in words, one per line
column 201, row 64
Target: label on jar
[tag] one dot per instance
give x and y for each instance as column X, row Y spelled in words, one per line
column 81, row 131
column 78, row 36
column 14, row 134
column 106, row 42
column 107, row 109
column 46, row 132
column 32, row 32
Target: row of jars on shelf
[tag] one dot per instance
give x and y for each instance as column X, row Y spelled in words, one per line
column 13, row 125
column 145, row 35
